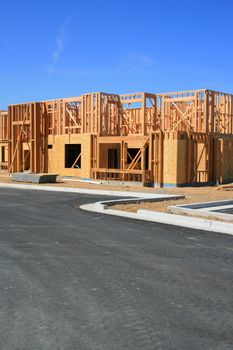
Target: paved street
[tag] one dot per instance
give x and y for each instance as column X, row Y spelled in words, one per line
column 71, row 279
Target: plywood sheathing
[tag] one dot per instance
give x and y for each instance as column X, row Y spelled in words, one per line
column 224, row 166
column 197, row 158
column 56, row 155
column 177, row 135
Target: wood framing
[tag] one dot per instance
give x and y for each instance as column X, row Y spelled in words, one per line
column 27, row 137
column 128, row 168
column 196, row 111
column 3, row 126
column 173, row 138
column 138, row 113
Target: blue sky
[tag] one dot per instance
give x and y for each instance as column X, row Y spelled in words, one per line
column 51, row 49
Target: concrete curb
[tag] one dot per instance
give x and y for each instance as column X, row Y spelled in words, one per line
column 201, row 213
column 182, row 220
column 205, row 209
column 155, row 198
column 163, row 218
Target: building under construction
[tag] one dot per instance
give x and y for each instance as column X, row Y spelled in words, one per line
column 169, row 139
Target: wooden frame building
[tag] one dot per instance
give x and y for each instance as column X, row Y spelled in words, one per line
column 169, row 139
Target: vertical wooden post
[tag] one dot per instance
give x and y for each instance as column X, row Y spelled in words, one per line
column 206, row 113
column 161, row 155
column 210, row 159
column 194, row 177
column 32, row 138
column 82, row 111
column 213, row 127
column 122, row 165
column 97, row 152
column 45, row 137
column 63, row 117
column 37, row 137
column 154, row 158
column 231, row 113
column 143, row 114
column 58, row 112
column 91, row 124
column 10, row 131
column 143, row 163
column 150, row 150
column 221, row 161
column 196, row 111
column 190, row 160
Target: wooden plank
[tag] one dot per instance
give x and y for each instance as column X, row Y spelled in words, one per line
column 206, row 115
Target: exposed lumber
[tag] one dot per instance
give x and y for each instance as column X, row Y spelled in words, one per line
column 194, row 123
column 76, row 160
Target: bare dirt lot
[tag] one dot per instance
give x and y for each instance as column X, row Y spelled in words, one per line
column 192, row 195
column 74, row 183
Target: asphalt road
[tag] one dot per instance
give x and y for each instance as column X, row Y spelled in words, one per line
column 71, row 279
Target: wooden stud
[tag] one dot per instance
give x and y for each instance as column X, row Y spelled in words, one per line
column 140, row 118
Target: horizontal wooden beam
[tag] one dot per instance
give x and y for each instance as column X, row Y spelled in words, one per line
column 180, row 99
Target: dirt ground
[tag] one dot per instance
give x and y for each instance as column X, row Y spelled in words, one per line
column 73, row 183
column 192, row 194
